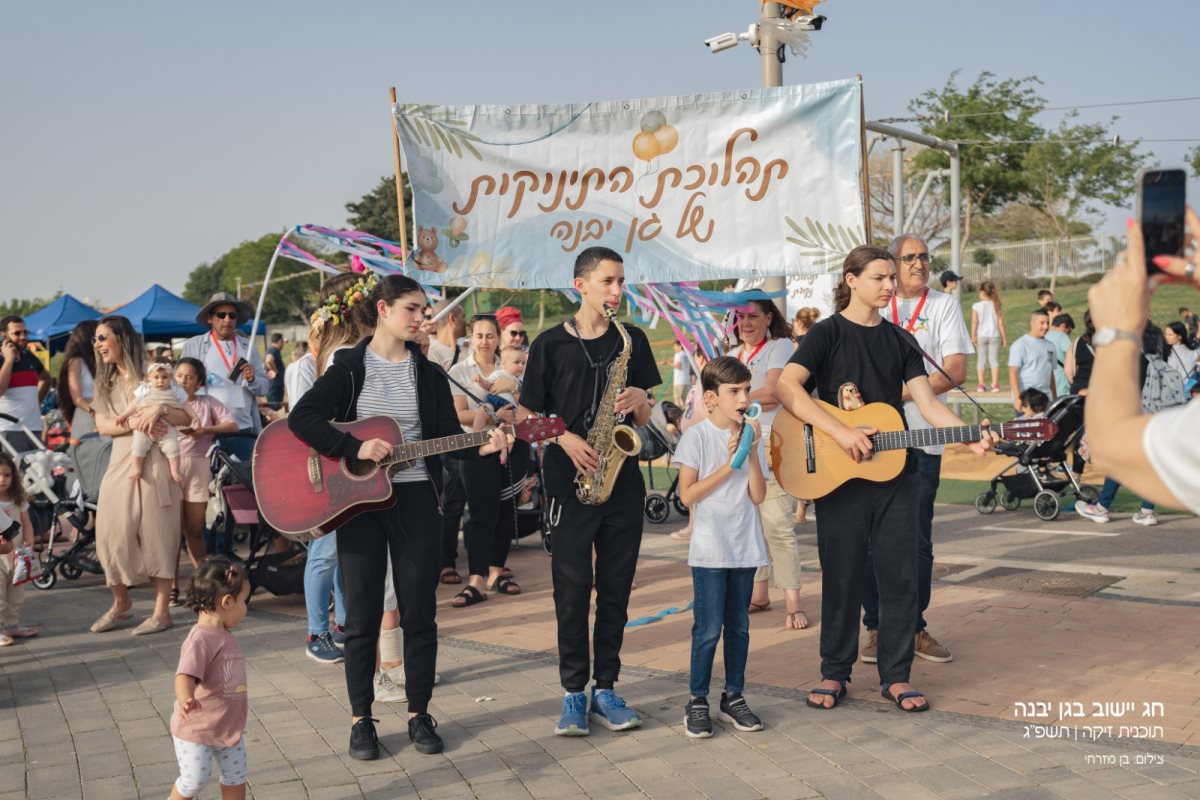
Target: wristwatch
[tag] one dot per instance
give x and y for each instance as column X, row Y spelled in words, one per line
column 1109, row 335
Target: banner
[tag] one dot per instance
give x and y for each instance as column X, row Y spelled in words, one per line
column 739, row 184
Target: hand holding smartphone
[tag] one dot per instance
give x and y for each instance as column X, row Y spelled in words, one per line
column 236, row 371
column 1161, row 203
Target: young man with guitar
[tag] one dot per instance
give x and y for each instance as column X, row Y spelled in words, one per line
column 593, row 372
column 935, row 320
column 857, row 354
column 386, row 375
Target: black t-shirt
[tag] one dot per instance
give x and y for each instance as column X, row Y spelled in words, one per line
column 560, row 378
column 875, row 359
column 1085, row 357
column 275, row 385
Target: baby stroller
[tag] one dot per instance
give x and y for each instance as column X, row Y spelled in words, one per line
column 657, row 441
column 88, row 458
column 1035, row 472
column 232, row 505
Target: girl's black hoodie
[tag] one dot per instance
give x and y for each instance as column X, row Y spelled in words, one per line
column 334, row 397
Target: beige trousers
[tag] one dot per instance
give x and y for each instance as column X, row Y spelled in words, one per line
column 777, row 515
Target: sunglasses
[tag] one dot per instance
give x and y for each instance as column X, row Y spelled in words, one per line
column 912, row 257
column 100, row 338
column 225, row 314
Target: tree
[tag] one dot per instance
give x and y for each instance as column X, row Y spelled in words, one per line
column 984, row 258
column 1020, row 222
column 375, row 211
column 24, row 307
column 931, row 221
column 293, row 292
column 1076, row 167
column 992, row 119
column 1194, row 160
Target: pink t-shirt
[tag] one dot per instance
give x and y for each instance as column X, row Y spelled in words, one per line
column 210, row 411
column 213, row 656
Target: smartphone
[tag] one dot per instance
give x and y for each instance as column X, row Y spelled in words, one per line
column 1161, row 200
column 236, row 372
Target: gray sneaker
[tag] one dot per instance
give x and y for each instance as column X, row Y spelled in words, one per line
column 386, row 690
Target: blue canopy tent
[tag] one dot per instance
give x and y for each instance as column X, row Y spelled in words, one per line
column 54, row 323
column 158, row 314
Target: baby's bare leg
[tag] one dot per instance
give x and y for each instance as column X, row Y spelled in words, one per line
column 169, row 443
column 141, row 446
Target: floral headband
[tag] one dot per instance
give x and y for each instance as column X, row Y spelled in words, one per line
column 337, row 307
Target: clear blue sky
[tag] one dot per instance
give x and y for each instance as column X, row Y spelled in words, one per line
column 141, row 139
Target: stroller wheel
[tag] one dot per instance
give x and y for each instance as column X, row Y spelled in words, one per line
column 656, row 508
column 69, row 570
column 985, row 502
column 46, row 580
column 1010, row 501
column 1045, row 505
column 1089, row 494
column 679, row 506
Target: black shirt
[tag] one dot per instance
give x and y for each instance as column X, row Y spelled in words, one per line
column 275, row 385
column 560, row 378
column 1085, row 358
column 876, row 359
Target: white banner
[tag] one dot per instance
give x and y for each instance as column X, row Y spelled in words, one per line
column 737, row 184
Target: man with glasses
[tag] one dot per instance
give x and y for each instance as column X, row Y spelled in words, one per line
column 24, row 382
column 935, row 319
column 236, row 375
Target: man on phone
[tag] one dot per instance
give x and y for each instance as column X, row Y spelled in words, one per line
column 236, row 375
column 23, row 384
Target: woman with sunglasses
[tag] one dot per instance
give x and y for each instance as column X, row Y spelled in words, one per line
column 386, row 374
column 137, row 521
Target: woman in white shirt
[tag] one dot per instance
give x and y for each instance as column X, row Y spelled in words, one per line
column 1181, row 358
column 987, row 333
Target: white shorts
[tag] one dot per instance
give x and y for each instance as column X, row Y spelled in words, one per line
column 195, row 765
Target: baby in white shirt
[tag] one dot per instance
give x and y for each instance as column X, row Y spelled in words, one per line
column 505, row 382
column 157, row 391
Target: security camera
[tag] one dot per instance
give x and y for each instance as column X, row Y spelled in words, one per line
column 722, row 42
column 810, row 23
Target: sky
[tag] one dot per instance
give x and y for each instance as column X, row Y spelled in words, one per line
column 142, row 139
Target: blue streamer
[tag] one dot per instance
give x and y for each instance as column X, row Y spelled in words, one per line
column 666, row 612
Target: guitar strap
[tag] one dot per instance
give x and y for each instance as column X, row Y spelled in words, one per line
column 483, row 403
column 938, row 367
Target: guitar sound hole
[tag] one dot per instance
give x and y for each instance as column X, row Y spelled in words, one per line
column 359, row 468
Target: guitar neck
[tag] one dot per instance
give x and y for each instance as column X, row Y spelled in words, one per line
column 410, row 451
column 929, row 437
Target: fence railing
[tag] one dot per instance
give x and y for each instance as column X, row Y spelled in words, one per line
column 1076, row 256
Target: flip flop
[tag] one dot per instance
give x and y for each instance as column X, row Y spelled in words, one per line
column 470, row 596
column 836, row 694
column 757, row 607
column 909, row 695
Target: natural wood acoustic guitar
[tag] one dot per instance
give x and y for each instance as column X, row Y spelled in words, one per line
column 810, row 464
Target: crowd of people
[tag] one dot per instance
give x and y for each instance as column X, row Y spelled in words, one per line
column 142, row 423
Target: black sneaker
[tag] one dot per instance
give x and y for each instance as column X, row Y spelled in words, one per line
column 421, row 729
column 697, row 725
column 364, row 742
column 734, row 710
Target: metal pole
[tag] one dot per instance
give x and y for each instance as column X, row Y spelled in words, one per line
column 898, row 188
column 438, row 317
column 955, row 211
column 771, row 70
column 262, row 295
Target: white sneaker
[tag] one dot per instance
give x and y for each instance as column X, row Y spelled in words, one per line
column 1145, row 516
column 398, row 678
column 1093, row 511
column 386, row 690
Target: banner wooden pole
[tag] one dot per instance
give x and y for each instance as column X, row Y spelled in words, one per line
column 866, row 180
column 399, row 181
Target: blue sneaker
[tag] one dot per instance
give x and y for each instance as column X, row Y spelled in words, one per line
column 574, row 720
column 338, row 634
column 610, row 711
column 322, row 649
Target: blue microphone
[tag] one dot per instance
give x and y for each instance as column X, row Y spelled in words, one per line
column 743, row 449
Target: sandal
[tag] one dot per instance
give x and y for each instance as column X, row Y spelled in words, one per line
column 450, row 575
column 909, row 695
column 506, row 572
column 757, row 607
column 796, row 621
column 505, row 585
column 469, row 596
column 174, row 601
column 836, row 694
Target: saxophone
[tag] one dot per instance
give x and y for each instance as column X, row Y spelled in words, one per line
column 610, row 439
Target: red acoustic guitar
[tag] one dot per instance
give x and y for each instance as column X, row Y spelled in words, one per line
column 301, row 493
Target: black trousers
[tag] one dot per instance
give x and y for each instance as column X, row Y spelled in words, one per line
column 410, row 532
column 453, row 501
column 883, row 517
column 615, row 530
column 489, row 530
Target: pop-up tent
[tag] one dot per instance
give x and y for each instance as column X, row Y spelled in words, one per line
column 54, row 323
column 158, row 314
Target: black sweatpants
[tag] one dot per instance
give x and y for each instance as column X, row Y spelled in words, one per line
column 453, row 500
column 615, row 529
column 882, row 516
column 411, row 532
column 489, row 530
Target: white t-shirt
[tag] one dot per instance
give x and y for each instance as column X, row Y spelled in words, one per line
column 989, row 323
column 774, row 354
column 464, row 372
column 1169, row 442
column 726, row 533
column 299, row 377
column 941, row 332
column 681, row 373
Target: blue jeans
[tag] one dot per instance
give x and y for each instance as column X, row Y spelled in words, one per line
column 1108, row 493
column 322, row 575
column 242, row 447
column 929, row 471
column 721, row 601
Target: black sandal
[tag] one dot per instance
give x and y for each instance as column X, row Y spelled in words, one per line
column 836, row 694
column 505, row 585
column 911, row 694
column 470, row 596
column 174, row 601
column 450, row 575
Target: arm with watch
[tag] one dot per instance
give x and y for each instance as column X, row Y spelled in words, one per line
column 1120, row 306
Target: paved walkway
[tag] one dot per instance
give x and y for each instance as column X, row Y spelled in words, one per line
column 91, row 710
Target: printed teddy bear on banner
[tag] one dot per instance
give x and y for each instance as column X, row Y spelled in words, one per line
column 427, row 244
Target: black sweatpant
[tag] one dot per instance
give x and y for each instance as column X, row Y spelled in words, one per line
column 489, row 530
column 453, row 500
column 615, row 530
column 410, row 531
column 882, row 516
